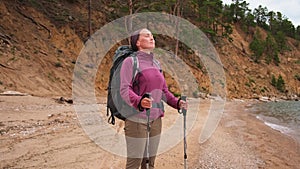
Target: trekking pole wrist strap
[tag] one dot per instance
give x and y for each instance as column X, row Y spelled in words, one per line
column 140, row 107
column 181, row 110
column 178, row 106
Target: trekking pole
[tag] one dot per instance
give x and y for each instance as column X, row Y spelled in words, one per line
column 148, row 95
column 183, row 111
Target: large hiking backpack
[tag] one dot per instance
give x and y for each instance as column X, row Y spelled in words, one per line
column 115, row 104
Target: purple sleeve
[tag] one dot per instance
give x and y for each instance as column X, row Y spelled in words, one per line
column 169, row 98
column 126, row 88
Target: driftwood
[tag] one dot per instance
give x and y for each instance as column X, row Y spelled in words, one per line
column 33, row 21
column 62, row 100
column 6, row 67
column 13, row 93
column 6, row 39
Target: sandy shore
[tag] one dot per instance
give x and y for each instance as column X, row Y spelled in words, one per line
column 42, row 133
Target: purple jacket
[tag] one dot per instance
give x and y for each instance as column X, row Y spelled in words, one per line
column 150, row 80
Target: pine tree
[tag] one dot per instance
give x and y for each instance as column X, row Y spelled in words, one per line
column 274, row 81
column 280, row 84
column 257, row 46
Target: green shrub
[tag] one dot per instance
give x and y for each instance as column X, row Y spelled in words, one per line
column 58, row 64
column 297, row 77
column 257, row 47
column 273, row 81
column 176, row 94
column 278, row 83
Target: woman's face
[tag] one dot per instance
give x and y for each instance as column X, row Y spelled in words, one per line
column 146, row 40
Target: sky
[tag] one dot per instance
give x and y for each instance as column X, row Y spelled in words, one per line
column 288, row 8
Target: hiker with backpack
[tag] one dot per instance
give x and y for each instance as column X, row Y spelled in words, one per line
column 144, row 91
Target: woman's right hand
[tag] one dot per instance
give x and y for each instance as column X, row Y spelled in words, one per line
column 146, row 103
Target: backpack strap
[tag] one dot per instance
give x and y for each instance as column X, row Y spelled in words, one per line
column 156, row 62
column 135, row 66
column 135, row 71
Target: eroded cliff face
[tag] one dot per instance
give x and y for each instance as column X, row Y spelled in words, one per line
column 39, row 45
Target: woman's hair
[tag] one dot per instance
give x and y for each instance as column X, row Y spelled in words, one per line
column 134, row 38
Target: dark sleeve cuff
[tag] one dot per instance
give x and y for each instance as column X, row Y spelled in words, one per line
column 140, row 103
column 178, row 107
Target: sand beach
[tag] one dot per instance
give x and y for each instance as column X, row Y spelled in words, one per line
column 44, row 132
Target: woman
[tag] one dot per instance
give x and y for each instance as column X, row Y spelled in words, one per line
column 150, row 81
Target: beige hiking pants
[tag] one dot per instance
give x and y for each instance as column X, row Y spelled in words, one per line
column 136, row 139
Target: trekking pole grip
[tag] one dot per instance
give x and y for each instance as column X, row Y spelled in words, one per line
column 183, row 111
column 148, row 95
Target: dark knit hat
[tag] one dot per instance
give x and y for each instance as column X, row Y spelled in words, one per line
column 134, row 38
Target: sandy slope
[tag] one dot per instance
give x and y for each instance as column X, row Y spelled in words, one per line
column 42, row 133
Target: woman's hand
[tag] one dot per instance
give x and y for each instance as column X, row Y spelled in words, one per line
column 146, row 103
column 183, row 104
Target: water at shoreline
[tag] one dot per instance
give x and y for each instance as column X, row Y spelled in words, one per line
column 283, row 116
